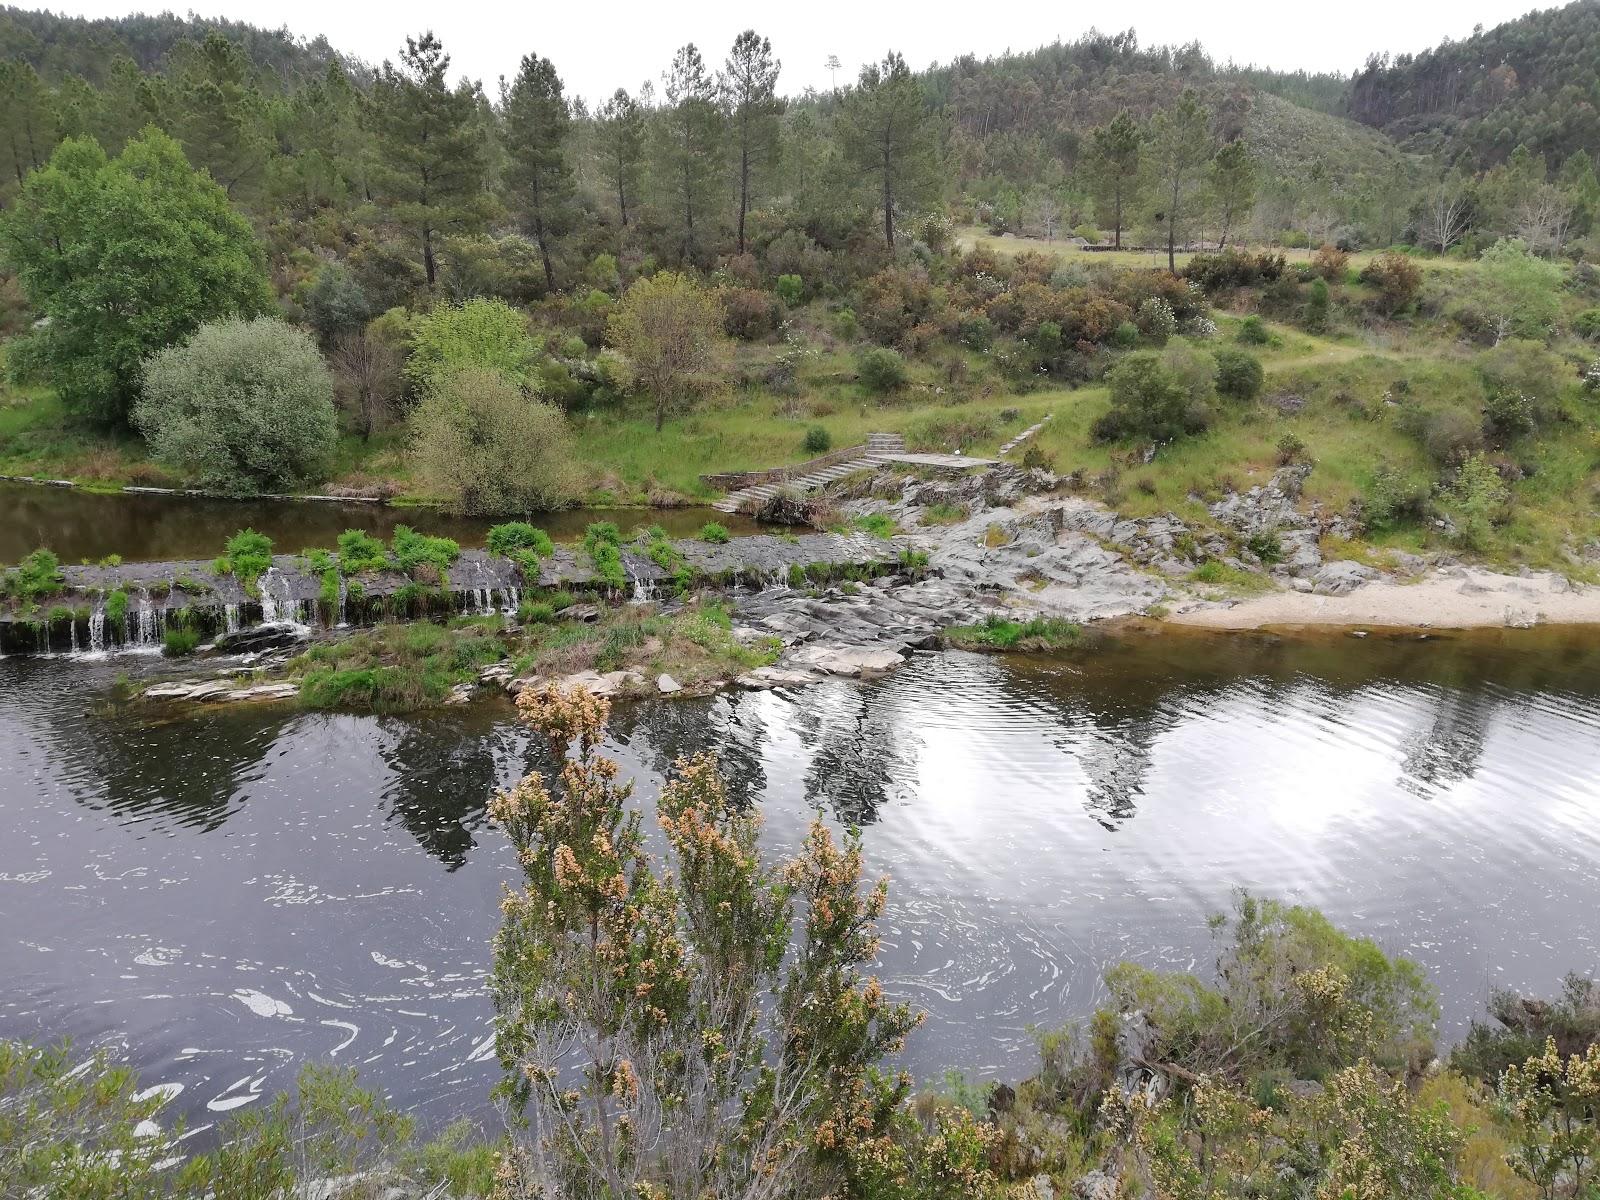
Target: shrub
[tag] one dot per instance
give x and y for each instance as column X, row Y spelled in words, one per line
column 1587, row 324
column 1449, row 435
column 1478, row 499
column 976, row 331
column 1397, row 280
column 482, row 335
column 520, row 536
column 880, row 370
column 336, row 304
column 1125, row 336
column 714, row 533
column 791, row 289
column 1253, row 331
column 1233, row 268
column 360, row 551
column 750, row 314
column 413, row 551
column 1239, row 374
column 1194, row 367
column 249, row 556
column 670, row 328
column 1331, row 263
column 817, row 440
column 37, row 575
column 1522, row 290
column 1148, row 401
column 242, row 406
column 1156, row 320
column 845, row 325
column 743, row 1007
column 487, row 449
column 1527, row 368
column 1317, row 305
column 180, row 641
column 1393, row 498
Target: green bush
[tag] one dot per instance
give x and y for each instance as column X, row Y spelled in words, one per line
column 1125, row 336
column 1239, row 374
column 37, row 575
column 519, row 535
column 249, row 555
column 879, row 525
column 791, row 289
column 1394, row 497
column 242, row 406
column 360, row 551
column 1253, row 331
column 180, row 641
column 1315, row 318
column 488, row 449
column 880, row 370
column 481, row 336
column 1587, row 324
column 1149, row 401
column 714, row 533
column 413, row 550
column 817, row 440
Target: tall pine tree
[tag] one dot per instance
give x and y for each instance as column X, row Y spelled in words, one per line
column 750, row 83
column 619, row 141
column 888, row 135
column 689, row 149
column 429, row 174
column 538, row 126
column 1116, row 170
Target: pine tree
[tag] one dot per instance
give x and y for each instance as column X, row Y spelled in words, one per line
column 1180, row 147
column 219, row 115
column 1116, row 170
column 1233, row 187
column 430, row 169
column 750, row 83
column 689, row 148
column 28, row 125
column 538, row 125
column 619, row 139
column 888, row 134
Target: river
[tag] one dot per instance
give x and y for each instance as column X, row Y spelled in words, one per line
column 223, row 894
column 87, row 526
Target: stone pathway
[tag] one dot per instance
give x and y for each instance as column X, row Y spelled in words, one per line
column 1025, row 435
column 878, row 449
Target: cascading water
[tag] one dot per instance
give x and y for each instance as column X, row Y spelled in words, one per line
column 97, row 630
column 269, row 603
column 513, row 601
column 344, row 594
column 230, row 618
column 72, row 634
column 149, row 622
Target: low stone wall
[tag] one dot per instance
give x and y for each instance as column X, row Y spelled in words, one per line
column 76, row 619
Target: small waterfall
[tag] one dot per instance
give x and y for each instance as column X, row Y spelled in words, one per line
column 513, row 601
column 72, row 633
column 230, row 617
column 150, row 623
column 97, row 630
column 344, row 595
column 269, row 603
column 307, row 611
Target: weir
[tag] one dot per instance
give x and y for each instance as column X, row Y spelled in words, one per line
column 82, row 617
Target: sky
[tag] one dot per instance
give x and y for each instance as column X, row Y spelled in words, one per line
column 598, row 47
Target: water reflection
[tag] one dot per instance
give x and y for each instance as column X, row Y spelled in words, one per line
column 234, row 890
column 88, row 526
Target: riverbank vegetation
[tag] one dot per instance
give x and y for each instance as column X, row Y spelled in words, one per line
column 1196, row 277
column 703, row 980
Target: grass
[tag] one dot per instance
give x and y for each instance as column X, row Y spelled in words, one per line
column 1230, row 579
column 996, row 633
column 397, row 668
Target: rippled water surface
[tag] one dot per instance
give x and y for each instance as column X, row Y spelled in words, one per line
column 228, row 893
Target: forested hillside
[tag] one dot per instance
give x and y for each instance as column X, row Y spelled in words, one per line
column 1532, row 82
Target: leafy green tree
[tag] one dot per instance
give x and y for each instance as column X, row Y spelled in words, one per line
column 1180, row 147
column 1232, row 180
column 1522, row 290
column 1116, row 170
column 125, row 256
column 538, row 128
column 488, row 448
column 429, row 176
column 689, row 149
column 750, row 84
column 1149, row 401
column 889, row 136
column 619, row 142
column 336, row 304
column 703, row 1030
column 670, row 329
column 242, row 406
column 486, row 334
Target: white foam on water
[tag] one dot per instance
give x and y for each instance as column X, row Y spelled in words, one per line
column 261, row 1004
column 353, row 1030
column 482, row 1051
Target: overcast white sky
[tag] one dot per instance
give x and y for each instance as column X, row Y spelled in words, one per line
column 599, row 46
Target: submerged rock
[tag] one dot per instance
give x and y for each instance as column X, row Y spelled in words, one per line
column 221, row 691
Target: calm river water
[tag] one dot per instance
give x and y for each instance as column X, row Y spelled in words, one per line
column 81, row 525
column 228, row 893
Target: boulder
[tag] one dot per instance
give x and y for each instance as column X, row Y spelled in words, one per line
column 270, row 635
column 853, row 662
column 1096, row 1185
column 1338, row 578
column 667, row 685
